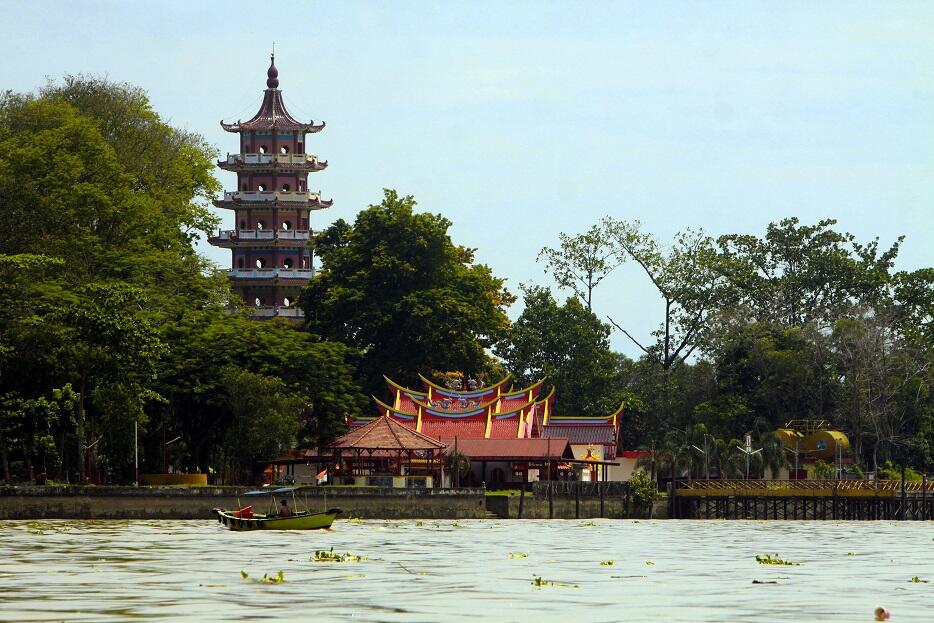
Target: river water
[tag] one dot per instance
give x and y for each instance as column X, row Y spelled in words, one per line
column 467, row 570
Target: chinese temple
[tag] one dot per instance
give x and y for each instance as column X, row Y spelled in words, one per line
column 272, row 205
column 509, row 434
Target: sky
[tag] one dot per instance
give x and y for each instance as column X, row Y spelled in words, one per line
column 520, row 120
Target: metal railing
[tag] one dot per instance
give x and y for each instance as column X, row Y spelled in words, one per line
column 911, row 486
column 269, row 158
column 277, row 312
column 271, row 195
column 271, row 273
column 584, row 488
column 263, row 234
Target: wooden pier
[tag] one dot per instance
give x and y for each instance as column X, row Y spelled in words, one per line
column 803, row 499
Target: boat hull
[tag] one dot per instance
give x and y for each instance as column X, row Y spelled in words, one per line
column 299, row 521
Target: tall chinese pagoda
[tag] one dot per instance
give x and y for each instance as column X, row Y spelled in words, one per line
column 272, row 206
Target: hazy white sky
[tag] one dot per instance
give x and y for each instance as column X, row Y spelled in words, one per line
column 519, row 120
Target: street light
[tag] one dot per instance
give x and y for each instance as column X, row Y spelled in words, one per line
column 796, row 452
column 748, row 454
column 706, row 461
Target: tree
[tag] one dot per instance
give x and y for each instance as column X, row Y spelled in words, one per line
column 799, row 274
column 104, row 200
column 885, row 379
column 206, row 344
column 567, row 345
column 107, row 348
column 264, row 420
column 581, row 262
column 396, row 288
column 689, row 279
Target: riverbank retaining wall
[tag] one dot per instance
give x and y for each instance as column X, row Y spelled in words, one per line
column 561, row 507
column 76, row 502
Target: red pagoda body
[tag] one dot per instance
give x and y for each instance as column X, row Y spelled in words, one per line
column 272, row 204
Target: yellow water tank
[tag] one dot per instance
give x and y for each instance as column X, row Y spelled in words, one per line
column 790, row 437
column 826, row 444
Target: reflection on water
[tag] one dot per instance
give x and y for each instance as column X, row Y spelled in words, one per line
column 443, row 571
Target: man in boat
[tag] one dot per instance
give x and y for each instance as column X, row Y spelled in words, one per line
column 284, row 509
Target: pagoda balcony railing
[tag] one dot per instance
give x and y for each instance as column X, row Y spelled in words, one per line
column 271, row 195
column 270, row 158
column 277, row 312
column 262, row 234
column 271, row 273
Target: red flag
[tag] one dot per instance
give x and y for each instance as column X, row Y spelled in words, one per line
column 322, row 476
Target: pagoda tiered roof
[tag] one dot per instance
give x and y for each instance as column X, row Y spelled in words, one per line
column 272, row 162
column 273, row 198
column 272, row 114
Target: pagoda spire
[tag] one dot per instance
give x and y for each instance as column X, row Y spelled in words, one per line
column 272, row 74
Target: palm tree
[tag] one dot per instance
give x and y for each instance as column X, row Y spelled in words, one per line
column 773, row 456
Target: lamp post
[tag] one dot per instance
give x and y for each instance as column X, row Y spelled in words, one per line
column 165, row 452
column 794, row 452
column 706, row 461
column 748, row 452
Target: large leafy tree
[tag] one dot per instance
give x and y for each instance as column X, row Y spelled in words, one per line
column 797, row 274
column 395, row 287
column 207, row 345
column 103, row 199
column 567, row 345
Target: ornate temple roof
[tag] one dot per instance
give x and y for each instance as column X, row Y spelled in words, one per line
column 272, row 114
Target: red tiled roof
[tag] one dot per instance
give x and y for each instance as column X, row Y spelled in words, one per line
column 513, row 449
column 384, row 433
column 449, row 428
column 505, row 428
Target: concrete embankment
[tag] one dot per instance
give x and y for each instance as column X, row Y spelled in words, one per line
column 76, row 502
column 563, row 507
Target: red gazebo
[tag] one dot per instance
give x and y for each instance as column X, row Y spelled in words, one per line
column 384, row 449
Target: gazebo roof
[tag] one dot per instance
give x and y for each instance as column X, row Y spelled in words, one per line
column 384, row 433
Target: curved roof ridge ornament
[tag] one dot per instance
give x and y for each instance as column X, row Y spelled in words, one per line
column 517, row 392
column 482, row 390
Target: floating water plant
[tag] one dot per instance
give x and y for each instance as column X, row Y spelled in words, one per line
column 769, row 559
column 851, row 553
column 419, row 523
column 649, row 563
column 329, row 555
column 587, row 524
column 607, row 563
column 539, row 582
column 916, row 580
column 355, row 521
column 279, row 578
column 517, row 555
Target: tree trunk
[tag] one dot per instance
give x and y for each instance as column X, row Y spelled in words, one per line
column 79, row 429
column 4, row 458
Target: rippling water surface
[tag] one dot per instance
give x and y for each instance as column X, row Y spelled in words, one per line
column 444, row 571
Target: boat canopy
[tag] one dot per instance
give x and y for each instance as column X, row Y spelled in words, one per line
column 272, row 491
